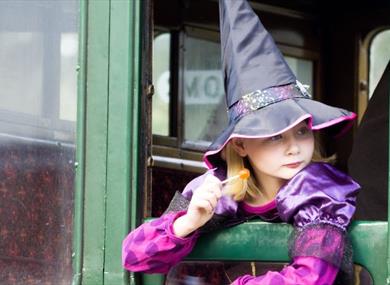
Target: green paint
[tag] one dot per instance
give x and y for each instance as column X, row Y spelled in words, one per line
column 107, row 145
column 96, row 116
column 260, row 241
column 122, row 158
column 369, row 241
column 250, row 241
column 80, row 151
column 153, row 279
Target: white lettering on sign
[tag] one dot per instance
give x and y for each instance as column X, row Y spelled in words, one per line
column 203, row 87
column 162, row 87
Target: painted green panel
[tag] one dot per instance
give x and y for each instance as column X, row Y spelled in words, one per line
column 122, row 132
column 266, row 242
column 153, row 279
column 369, row 240
column 95, row 141
column 262, row 241
column 80, row 153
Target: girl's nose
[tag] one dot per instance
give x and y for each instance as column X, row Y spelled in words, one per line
column 293, row 147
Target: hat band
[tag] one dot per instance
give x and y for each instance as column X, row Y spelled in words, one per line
column 262, row 98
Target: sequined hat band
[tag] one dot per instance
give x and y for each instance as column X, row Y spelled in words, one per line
column 262, row 98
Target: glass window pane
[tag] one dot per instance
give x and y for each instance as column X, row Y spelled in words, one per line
column 379, row 57
column 161, row 72
column 38, row 53
column 204, row 101
column 68, row 82
column 21, row 61
column 303, row 70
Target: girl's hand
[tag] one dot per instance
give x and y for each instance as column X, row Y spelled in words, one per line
column 201, row 207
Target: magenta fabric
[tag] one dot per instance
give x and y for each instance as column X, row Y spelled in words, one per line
column 322, row 241
column 154, row 248
column 303, row 271
column 319, row 201
column 258, row 209
column 318, row 193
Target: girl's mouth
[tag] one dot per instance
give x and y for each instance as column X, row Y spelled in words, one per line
column 293, row 165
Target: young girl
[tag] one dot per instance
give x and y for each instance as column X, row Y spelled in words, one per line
column 270, row 132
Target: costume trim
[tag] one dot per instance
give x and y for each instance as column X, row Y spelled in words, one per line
column 262, row 98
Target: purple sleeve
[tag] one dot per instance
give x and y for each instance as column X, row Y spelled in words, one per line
column 154, row 248
column 318, row 194
column 320, row 202
column 304, row 270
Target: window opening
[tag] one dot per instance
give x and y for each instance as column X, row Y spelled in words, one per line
column 191, row 111
column 379, row 53
column 161, row 82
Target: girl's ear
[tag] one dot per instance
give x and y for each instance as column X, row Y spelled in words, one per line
column 238, row 146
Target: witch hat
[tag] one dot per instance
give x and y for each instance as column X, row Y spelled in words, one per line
column 263, row 95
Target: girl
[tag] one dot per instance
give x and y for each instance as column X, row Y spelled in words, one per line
column 270, row 132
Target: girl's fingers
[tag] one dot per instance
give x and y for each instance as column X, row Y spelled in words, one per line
column 210, row 196
column 211, row 187
column 207, row 195
column 204, row 205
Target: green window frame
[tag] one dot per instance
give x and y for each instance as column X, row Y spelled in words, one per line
column 108, row 132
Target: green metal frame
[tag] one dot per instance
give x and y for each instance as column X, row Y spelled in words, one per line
column 80, row 151
column 261, row 241
column 107, row 138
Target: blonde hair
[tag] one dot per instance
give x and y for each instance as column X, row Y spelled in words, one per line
column 240, row 188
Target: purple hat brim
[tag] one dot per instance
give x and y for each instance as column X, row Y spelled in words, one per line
column 277, row 118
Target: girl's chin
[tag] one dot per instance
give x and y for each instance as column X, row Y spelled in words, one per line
column 289, row 173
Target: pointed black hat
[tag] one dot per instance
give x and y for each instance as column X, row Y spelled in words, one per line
column 263, row 95
column 251, row 61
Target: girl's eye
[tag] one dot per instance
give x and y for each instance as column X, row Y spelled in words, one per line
column 275, row 138
column 303, row 131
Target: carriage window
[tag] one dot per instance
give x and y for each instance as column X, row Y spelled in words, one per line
column 38, row 55
column 205, row 107
column 379, row 57
column 199, row 103
column 303, row 70
column 161, row 72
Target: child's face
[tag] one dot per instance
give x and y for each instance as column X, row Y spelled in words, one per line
column 281, row 156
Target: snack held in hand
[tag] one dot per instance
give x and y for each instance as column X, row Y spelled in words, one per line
column 243, row 174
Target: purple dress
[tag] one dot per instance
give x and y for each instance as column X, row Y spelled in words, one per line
column 319, row 202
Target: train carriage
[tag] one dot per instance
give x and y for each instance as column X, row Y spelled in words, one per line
column 107, row 106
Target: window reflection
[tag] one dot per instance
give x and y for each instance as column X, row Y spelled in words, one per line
column 303, row 70
column 68, row 82
column 161, row 77
column 21, row 57
column 38, row 53
column 205, row 107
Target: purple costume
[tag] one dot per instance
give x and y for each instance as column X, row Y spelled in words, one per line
column 319, row 202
